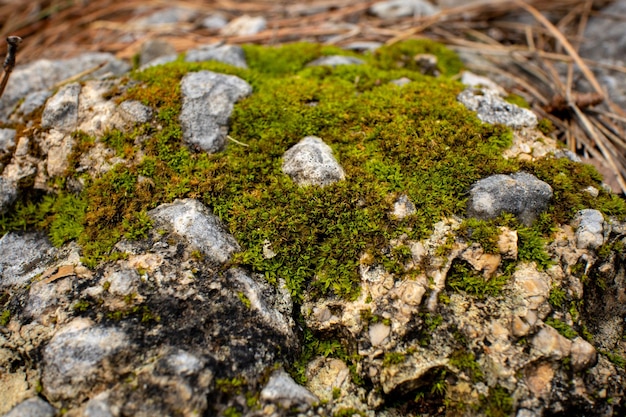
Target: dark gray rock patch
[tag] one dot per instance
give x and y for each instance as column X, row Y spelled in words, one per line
column 134, row 111
column 23, row 257
column 7, row 139
column 521, row 194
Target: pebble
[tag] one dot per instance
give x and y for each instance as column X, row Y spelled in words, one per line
column 311, row 162
column 32, row 407
column 491, row 108
column 589, row 229
column 244, row 25
column 282, row 389
column 403, row 8
column 61, row 111
column 228, row 54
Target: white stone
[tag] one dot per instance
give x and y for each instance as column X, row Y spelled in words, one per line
column 548, row 342
column 378, row 332
column 282, row 389
column 311, row 162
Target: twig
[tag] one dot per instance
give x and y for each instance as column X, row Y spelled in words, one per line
column 9, row 61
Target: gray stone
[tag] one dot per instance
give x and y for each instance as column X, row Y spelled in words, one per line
column 160, row 61
column 491, row 108
column 403, row 8
column 32, row 407
column 589, row 229
column 61, row 111
column 153, row 49
column 277, row 315
column 208, row 101
column 43, row 75
column 521, row 194
column 566, row 153
column 335, row 60
column 228, row 54
column 311, row 162
column 22, row 256
column 549, row 343
column 282, row 389
column 134, row 111
column 98, row 406
column 195, row 223
column 473, row 80
column 7, row 139
column 33, row 101
column 244, row 25
column 8, row 194
column 167, row 17
column 81, row 356
column 214, row 21
column 363, row 46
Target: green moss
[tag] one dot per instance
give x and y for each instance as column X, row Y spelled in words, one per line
column 616, row 359
column 402, row 55
column 81, row 306
column 466, row 361
column 563, row 329
column 349, row 412
column 244, row 299
column 557, row 297
column 462, row 277
column 5, row 317
column 485, row 233
column 517, row 100
column 498, row 403
column 393, row 358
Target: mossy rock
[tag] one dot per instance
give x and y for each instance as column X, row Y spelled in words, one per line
column 415, row 140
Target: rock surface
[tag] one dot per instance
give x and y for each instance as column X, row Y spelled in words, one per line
column 228, row 54
column 521, row 194
column 491, row 108
column 311, row 162
column 191, row 311
column 208, row 100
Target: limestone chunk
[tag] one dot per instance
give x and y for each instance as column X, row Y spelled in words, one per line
column 583, row 354
column 311, row 162
column 549, row 343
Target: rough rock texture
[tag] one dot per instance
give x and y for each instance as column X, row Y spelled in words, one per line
column 42, row 75
column 33, row 407
column 193, row 221
column 7, row 139
column 491, row 108
column 8, row 194
column 208, row 100
column 228, row 54
column 311, row 162
column 179, row 318
column 521, row 194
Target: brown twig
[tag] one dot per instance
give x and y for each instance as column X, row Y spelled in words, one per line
column 9, row 61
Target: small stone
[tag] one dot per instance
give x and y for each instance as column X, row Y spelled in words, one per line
column 583, row 354
column 61, row 111
column 208, row 101
column 311, row 162
column 589, row 229
column 539, row 379
column 228, row 54
column 401, row 82
column 244, row 25
column 134, row 111
column 335, row 60
column 214, row 21
column 592, row 191
column 507, row 243
column 7, row 140
column 166, row 17
column 548, row 342
column 403, row 207
column 153, row 49
column 282, row 389
column 519, row 327
column 378, row 332
column 521, row 194
column 403, row 8
column 196, row 223
column 324, row 375
column 33, row 407
column 8, row 194
column 491, row 108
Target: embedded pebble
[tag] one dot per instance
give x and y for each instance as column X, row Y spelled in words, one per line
column 521, row 194
column 282, row 389
column 134, row 111
column 61, row 111
column 311, row 162
column 195, row 222
column 548, row 342
column 208, row 101
column 583, row 354
column 335, row 60
column 32, row 407
column 491, row 108
column 7, row 139
column 378, row 332
column 590, row 230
